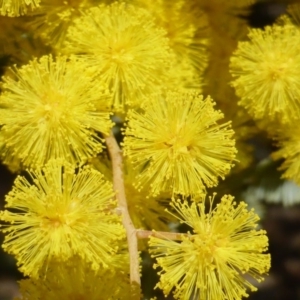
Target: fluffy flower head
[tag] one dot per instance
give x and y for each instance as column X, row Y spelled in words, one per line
column 48, row 111
column 179, row 144
column 128, row 52
column 61, row 215
column 267, row 76
column 209, row 262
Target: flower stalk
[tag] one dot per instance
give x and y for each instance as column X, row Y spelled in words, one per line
column 145, row 234
column 118, row 184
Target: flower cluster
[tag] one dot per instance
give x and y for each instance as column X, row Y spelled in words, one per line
column 266, row 78
column 125, row 112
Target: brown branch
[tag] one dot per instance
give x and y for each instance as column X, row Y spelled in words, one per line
column 145, row 234
column 118, row 183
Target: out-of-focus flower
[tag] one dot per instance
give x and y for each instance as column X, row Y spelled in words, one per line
column 60, row 215
column 289, row 150
column 77, row 281
column 267, row 77
column 127, row 50
column 17, row 46
column 293, row 11
column 210, row 262
column 14, row 8
column 48, row 111
column 53, row 18
column 187, row 39
column 224, row 17
column 178, row 144
column 12, row 162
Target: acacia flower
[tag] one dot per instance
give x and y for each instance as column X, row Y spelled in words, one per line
column 57, row 214
column 178, row 144
column 14, row 8
column 77, row 281
column 266, row 72
column 128, row 52
column 210, row 262
column 49, row 111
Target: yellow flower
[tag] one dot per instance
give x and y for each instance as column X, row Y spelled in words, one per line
column 59, row 215
column 209, row 263
column 289, row 150
column 15, row 8
column 187, row 39
column 267, row 76
column 184, row 77
column 49, row 111
column 77, row 281
column 53, row 18
column 179, row 144
column 128, row 52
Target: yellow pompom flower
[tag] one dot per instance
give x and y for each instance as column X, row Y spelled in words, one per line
column 289, row 150
column 210, row 262
column 49, row 111
column 126, row 49
column 266, row 72
column 57, row 214
column 77, row 281
column 178, row 144
column 14, row 8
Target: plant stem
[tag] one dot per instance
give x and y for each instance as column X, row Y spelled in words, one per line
column 118, row 183
column 145, row 234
